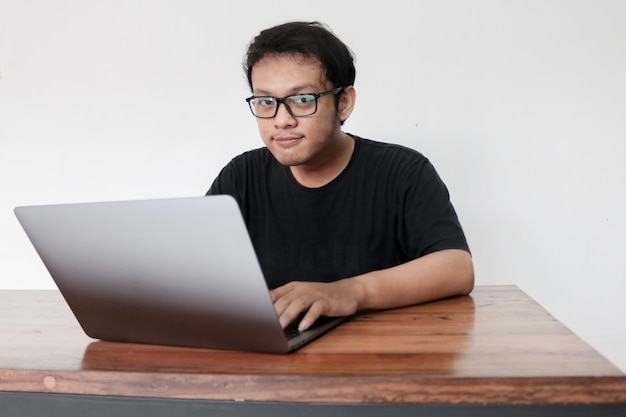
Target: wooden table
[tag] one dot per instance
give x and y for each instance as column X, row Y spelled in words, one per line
column 496, row 352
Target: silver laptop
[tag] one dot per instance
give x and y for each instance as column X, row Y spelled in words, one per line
column 178, row 271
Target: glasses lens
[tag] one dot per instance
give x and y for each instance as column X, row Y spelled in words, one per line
column 263, row 106
column 302, row 104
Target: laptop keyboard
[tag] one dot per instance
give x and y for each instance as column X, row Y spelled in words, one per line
column 292, row 329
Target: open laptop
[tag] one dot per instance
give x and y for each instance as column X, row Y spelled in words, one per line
column 178, row 271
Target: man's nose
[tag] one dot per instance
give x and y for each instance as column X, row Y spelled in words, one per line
column 283, row 116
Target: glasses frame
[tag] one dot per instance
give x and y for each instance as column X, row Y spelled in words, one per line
column 283, row 100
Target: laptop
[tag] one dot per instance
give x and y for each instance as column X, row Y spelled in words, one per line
column 178, row 271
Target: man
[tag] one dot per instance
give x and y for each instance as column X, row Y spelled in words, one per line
column 340, row 223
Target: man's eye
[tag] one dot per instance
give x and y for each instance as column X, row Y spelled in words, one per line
column 265, row 101
column 303, row 98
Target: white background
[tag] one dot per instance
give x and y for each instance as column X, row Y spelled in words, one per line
column 521, row 106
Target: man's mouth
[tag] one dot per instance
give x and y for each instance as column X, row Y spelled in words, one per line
column 287, row 141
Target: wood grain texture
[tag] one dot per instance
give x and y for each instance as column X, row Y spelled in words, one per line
column 495, row 346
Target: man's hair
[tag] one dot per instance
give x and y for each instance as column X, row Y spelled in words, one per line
column 309, row 39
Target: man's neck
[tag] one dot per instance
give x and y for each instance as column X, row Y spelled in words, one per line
column 315, row 176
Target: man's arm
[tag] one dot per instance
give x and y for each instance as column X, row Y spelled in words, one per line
column 437, row 275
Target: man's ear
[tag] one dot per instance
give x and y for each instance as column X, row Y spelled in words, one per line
column 347, row 100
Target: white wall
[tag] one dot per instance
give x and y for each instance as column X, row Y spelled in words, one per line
column 521, row 105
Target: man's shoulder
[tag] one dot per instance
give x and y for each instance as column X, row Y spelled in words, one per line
column 247, row 168
column 379, row 149
column 253, row 158
column 253, row 154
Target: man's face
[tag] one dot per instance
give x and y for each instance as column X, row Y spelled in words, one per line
column 297, row 141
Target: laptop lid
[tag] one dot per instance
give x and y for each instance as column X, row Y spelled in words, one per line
column 178, row 271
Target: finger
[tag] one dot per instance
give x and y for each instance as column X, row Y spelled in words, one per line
column 315, row 311
column 276, row 293
column 292, row 310
column 288, row 316
column 282, row 302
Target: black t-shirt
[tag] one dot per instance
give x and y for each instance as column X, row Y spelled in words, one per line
column 387, row 207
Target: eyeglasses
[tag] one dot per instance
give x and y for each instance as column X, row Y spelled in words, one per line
column 298, row 105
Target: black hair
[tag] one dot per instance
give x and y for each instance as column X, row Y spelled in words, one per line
column 309, row 39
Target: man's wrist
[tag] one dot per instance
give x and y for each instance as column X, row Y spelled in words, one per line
column 363, row 289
